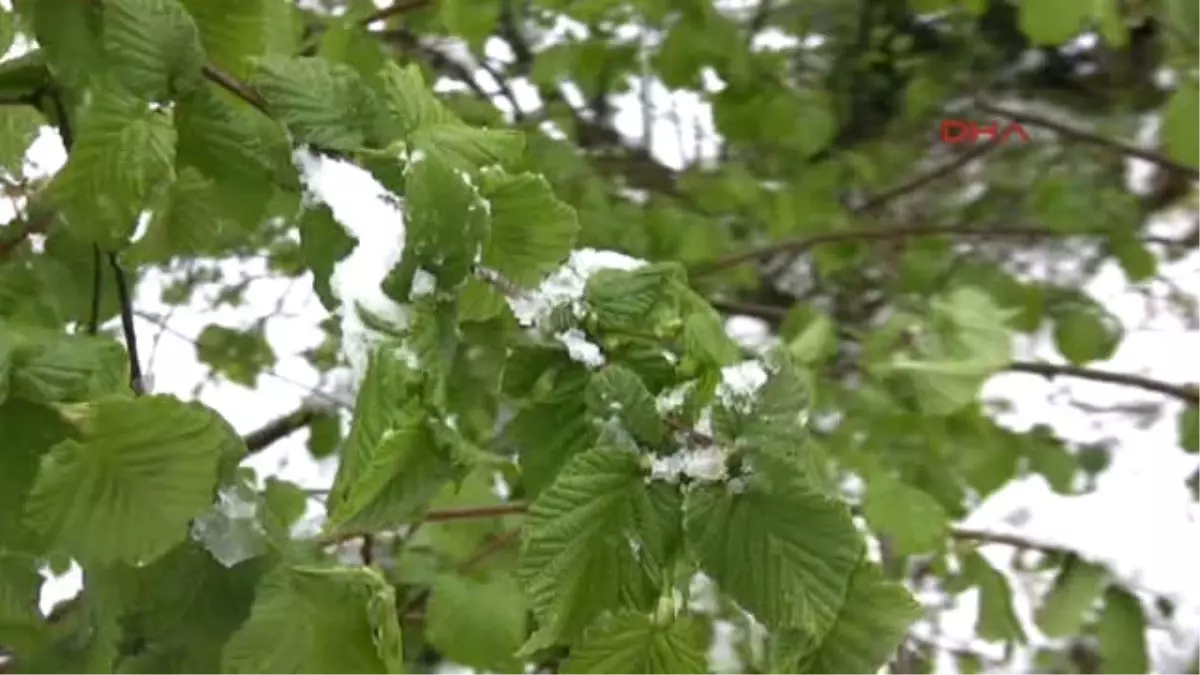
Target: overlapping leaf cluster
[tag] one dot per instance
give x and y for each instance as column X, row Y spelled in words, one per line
column 653, row 453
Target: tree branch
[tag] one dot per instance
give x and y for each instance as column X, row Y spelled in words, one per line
column 1089, row 137
column 1188, row 393
column 279, row 428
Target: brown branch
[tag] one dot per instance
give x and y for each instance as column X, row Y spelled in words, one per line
column 1188, row 393
column 1089, row 137
column 236, row 87
column 279, row 428
column 439, row 516
column 985, row 537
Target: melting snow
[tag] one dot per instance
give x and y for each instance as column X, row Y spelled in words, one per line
column 375, row 216
column 580, row 348
column 565, row 285
column 740, row 382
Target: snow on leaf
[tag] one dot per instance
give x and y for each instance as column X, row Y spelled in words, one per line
column 566, row 285
column 618, row 392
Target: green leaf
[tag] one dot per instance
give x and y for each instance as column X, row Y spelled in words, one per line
column 470, row 21
column 69, row 33
column 30, row 431
column 189, row 223
column 1135, row 258
column 320, row 102
column 966, row 341
column 312, row 619
column 1180, row 138
column 231, row 31
column 19, row 126
column 552, row 429
column 1086, row 332
column 586, row 543
column 410, row 101
column 239, row 355
column 997, row 619
column 8, row 30
column 1047, row 22
column 20, row 585
column 184, row 609
column 785, row 553
column 446, row 221
column 617, row 392
column 391, row 467
column 815, row 342
column 871, row 624
column 123, row 151
column 323, row 243
column 912, row 520
column 705, row 341
column 628, row 642
column 153, row 47
column 49, row 367
column 478, row 624
column 127, row 488
column 221, row 139
column 532, row 233
column 1189, row 429
column 1121, row 632
column 470, row 147
column 1076, row 590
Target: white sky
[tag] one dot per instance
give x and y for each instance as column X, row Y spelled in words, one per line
column 1140, row 519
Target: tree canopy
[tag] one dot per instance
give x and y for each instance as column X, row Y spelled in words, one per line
column 556, row 455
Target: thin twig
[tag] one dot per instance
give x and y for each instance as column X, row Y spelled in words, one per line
column 127, row 326
column 97, row 291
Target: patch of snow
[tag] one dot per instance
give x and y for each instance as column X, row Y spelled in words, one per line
column 375, row 216
column 707, row 463
column 740, row 382
column 673, row 399
column 565, row 285
column 581, row 349
column 423, row 283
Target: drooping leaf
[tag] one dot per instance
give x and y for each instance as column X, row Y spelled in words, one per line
column 912, row 521
column 312, row 619
column 785, row 553
column 123, row 152
column 1121, row 632
column 871, row 623
column 628, row 642
column 1077, row 588
column 319, row 101
column 126, row 489
column 532, row 232
column 152, row 47
column 477, row 624
column 586, row 544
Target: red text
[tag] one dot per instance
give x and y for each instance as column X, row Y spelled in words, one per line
column 966, row 131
